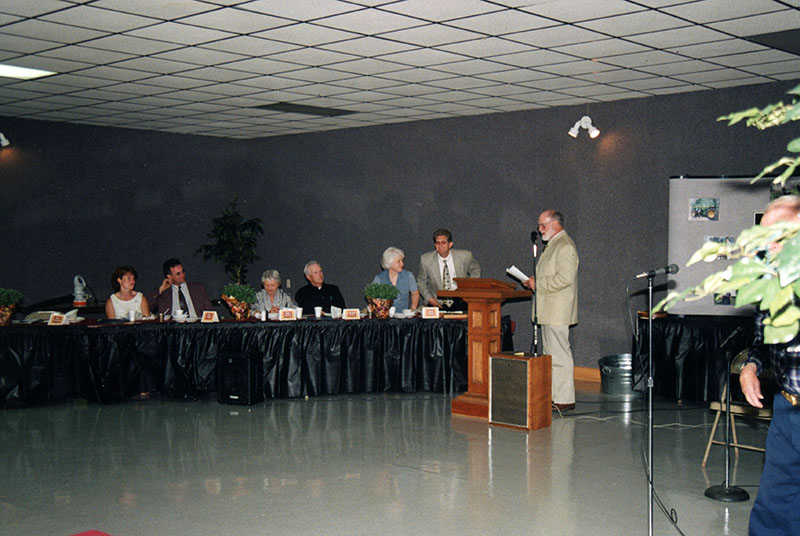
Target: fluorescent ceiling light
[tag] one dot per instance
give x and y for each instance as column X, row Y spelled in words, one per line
column 23, row 73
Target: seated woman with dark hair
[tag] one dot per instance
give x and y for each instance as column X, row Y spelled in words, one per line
column 393, row 274
column 272, row 298
column 125, row 299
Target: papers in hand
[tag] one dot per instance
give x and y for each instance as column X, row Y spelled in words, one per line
column 513, row 271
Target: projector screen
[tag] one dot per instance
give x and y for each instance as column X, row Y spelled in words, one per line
column 702, row 209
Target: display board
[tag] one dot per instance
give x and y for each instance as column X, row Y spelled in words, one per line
column 702, row 209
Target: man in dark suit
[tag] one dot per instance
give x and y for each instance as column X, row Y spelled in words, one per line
column 175, row 293
column 318, row 293
column 438, row 268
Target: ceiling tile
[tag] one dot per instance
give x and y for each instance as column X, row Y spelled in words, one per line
column 771, row 22
column 30, row 8
column 306, row 34
column 485, row 47
column 49, row 31
column 423, row 57
column 704, row 11
column 370, row 22
column 368, row 46
column 501, row 22
column 602, row 49
column 99, row 19
column 235, row 21
column 440, row 10
column 172, row 32
column 555, row 36
column 581, row 10
column 301, row 11
column 634, row 23
column 431, row 35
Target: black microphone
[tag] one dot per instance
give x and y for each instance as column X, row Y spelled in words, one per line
column 534, row 236
column 671, row 269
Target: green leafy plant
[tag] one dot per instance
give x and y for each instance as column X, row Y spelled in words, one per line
column 234, row 242
column 9, row 296
column 767, row 273
column 241, row 293
column 381, row 291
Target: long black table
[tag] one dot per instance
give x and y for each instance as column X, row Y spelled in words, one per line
column 689, row 363
column 112, row 362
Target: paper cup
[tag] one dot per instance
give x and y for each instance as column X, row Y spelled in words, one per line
column 318, row 312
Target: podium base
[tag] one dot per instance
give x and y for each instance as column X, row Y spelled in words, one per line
column 727, row 494
column 471, row 405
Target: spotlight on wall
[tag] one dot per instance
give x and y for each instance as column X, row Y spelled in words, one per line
column 4, row 141
column 585, row 122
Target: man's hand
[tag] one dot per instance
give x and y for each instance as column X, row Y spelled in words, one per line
column 751, row 387
column 164, row 285
column 434, row 303
column 530, row 283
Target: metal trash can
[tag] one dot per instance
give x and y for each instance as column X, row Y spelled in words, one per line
column 616, row 374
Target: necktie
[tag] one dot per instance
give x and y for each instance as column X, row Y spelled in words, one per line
column 182, row 300
column 447, row 283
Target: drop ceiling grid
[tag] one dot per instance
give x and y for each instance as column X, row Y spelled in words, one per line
column 201, row 66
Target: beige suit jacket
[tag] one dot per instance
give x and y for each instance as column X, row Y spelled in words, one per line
column 429, row 279
column 557, row 282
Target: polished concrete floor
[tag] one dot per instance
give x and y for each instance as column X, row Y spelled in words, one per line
column 369, row 464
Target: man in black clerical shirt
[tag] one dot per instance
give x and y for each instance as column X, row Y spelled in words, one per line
column 317, row 293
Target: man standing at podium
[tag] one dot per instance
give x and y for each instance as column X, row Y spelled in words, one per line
column 556, row 287
column 438, row 268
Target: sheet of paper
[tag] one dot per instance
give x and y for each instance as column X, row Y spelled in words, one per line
column 513, row 271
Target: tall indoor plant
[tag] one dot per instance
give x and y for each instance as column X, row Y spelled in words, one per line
column 234, row 242
column 769, row 280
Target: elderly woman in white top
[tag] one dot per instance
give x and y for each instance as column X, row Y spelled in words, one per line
column 393, row 274
column 125, row 299
column 272, row 298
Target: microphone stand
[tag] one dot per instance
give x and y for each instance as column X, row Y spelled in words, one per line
column 650, row 404
column 535, row 342
column 726, row 492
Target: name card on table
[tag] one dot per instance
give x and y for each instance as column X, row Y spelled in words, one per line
column 57, row 319
column 351, row 314
column 209, row 317
column 287, row 314
column 430, row 312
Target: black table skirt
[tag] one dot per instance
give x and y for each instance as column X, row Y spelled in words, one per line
column 689, row 363
column 109, row 363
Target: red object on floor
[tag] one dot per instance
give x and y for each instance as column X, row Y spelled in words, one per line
column 91, row 533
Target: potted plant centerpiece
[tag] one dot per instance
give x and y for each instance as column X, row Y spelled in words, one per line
column 239, row 299
column 380, row 297
column 9, row 298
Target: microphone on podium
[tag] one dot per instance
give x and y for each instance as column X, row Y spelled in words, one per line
column 671, row 269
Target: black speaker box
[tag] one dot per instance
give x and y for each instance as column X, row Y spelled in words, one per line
column 240, row 379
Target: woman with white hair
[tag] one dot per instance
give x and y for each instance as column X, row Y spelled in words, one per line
column 272, row 298
column 393, row 274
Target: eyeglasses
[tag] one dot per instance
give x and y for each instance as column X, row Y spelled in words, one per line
column 545, row 224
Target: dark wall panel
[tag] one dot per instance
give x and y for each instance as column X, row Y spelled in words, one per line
column 82, row 199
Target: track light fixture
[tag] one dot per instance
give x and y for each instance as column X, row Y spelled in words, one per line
column 4, row 141
column 585, row 122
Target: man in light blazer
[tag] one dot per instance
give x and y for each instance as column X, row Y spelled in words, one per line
column 459, row 262
column 556, row 288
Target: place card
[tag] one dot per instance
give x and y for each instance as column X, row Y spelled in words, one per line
column 209, row 317
column 430, row 312
column 351, row 314
column 57, row 319
column 287, row 314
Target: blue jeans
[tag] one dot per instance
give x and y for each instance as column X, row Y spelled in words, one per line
column 776, row 510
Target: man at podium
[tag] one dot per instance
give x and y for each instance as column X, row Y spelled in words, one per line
column 438, row 268
column 556, row 303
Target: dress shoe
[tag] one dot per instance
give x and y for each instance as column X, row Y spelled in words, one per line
column 563, row 407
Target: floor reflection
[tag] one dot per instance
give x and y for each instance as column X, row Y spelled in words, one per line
column 394, row 463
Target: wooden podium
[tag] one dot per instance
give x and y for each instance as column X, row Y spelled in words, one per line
column 484, row 298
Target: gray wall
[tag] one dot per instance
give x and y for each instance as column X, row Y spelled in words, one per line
column 82, row 200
